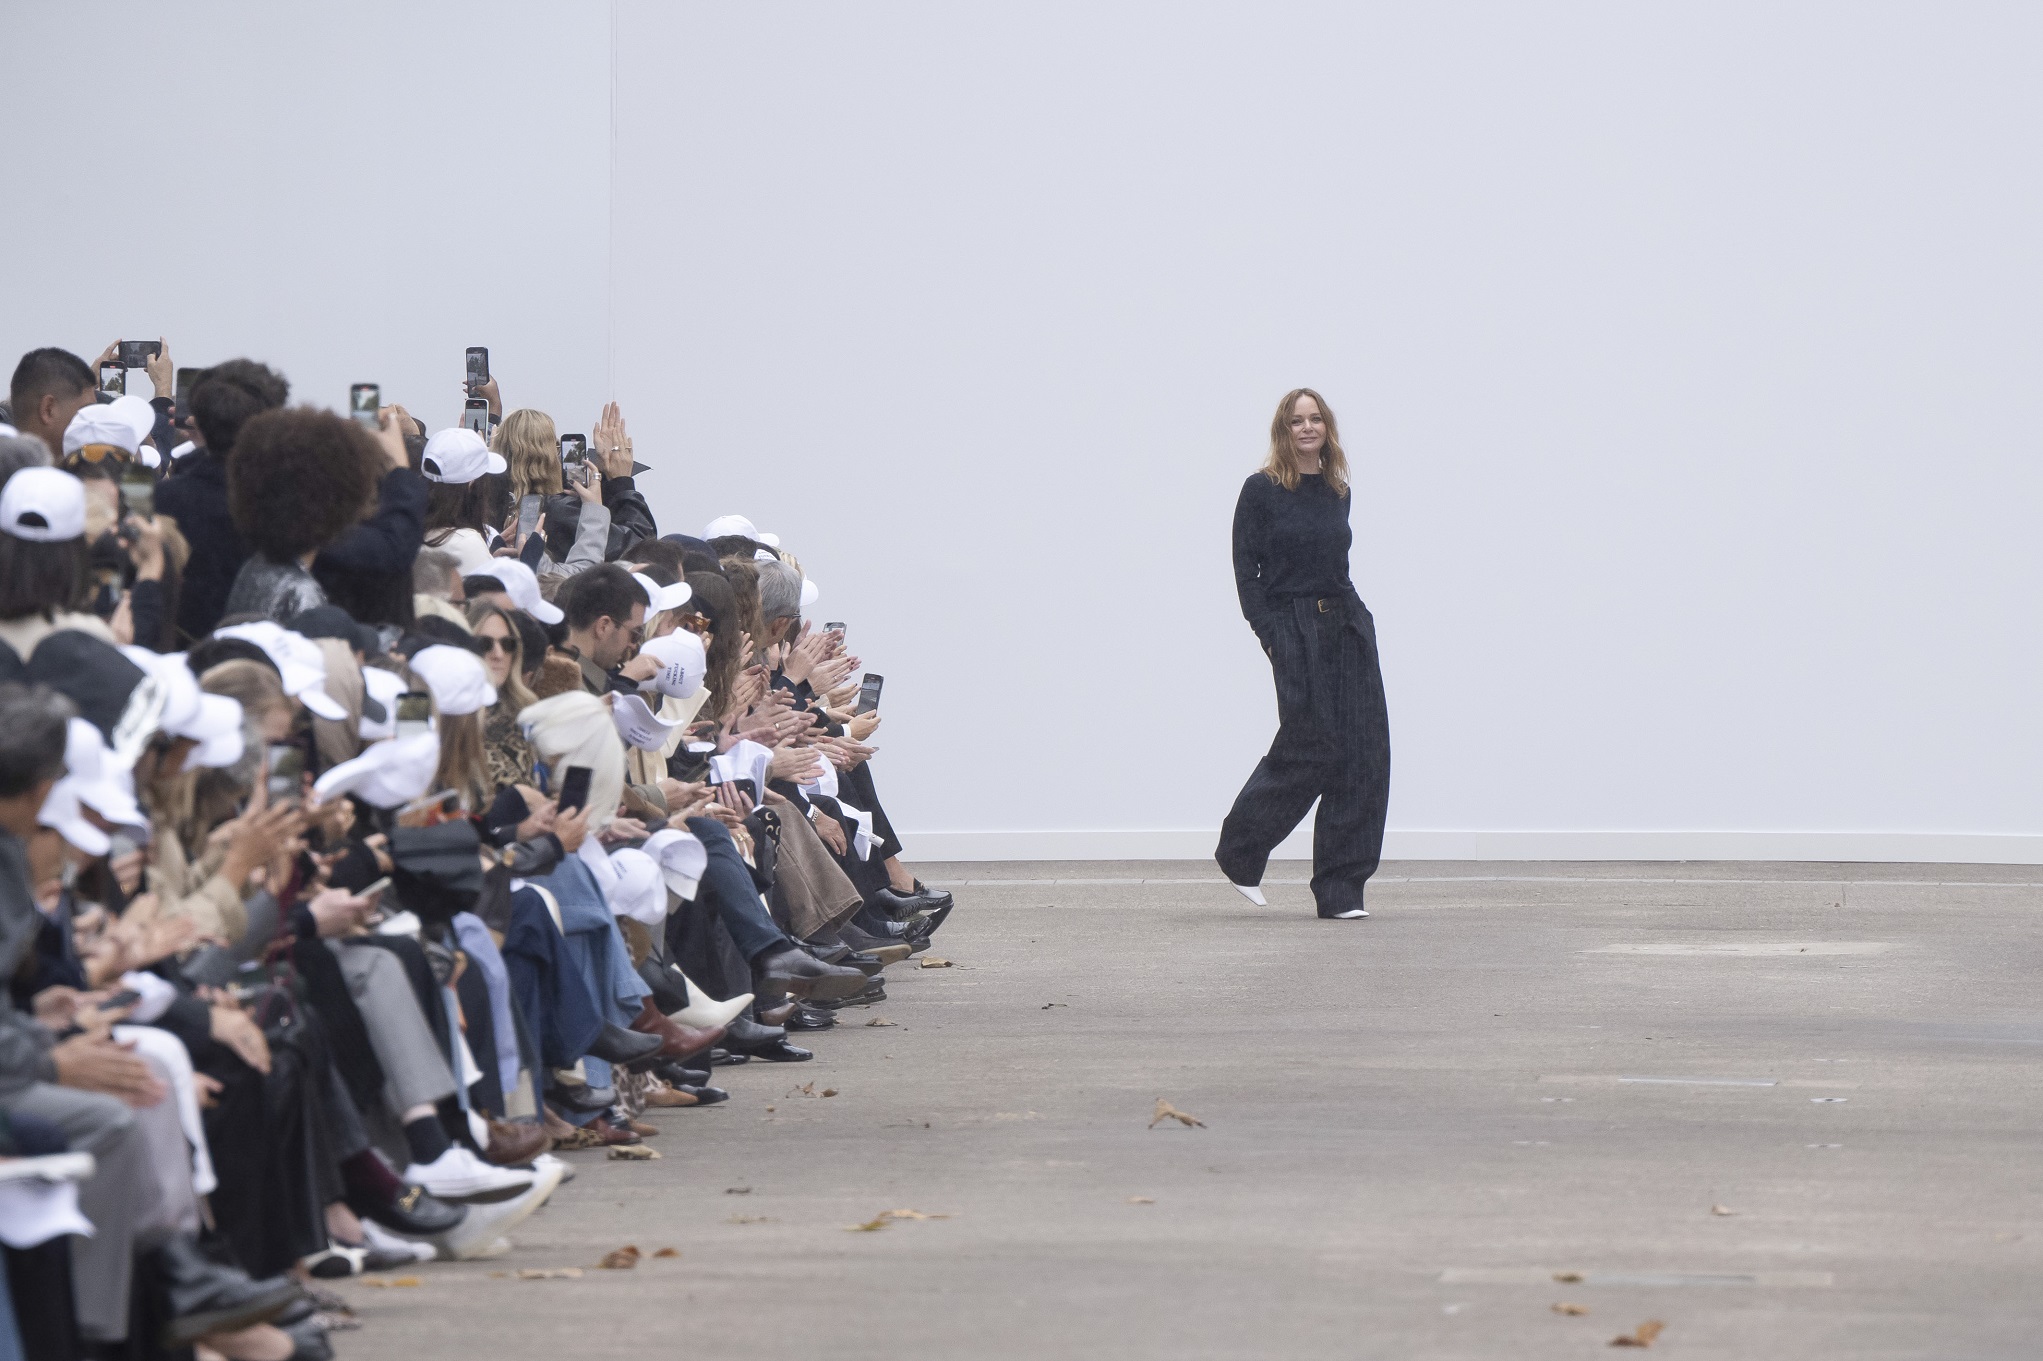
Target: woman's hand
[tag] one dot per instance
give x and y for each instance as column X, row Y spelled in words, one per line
column 830, row 830
column 572, row 828
column 612, row 444
column 144, row 535
column 389, row 434
column 337, row 912
column 798, row 765
column 861, row 725
column 540, row 817
column 591, row 491
column 234, row 1028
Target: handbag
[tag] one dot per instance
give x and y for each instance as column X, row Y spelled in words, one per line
column 764, row 826
column 437, row 871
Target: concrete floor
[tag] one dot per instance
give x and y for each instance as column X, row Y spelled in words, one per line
column 1412, row 1124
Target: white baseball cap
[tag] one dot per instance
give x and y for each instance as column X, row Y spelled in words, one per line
column 384, row 687
column 458, row 455
column 43, row 505
column 723, row 526
column 456, row 677
column 523, row 588
column 637, row 724
column 297, row 659
column 682, row 663
column 660, row 597
column 681, row 857
column 123, row 422
column 212, row 721
column 810, row 591
column 636, row 892
column 386, row 774
column 90, row 781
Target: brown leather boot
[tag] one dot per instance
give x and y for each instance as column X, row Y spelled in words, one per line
column 681, row 1041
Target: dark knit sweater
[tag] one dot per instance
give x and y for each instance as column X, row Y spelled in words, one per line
column 1288, row 544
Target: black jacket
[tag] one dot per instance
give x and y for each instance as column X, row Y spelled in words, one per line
column 195, row 495
column 367, row 571
column 631, row 520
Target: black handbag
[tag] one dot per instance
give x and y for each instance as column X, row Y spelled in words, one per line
column 437, row 871
column 764, row 825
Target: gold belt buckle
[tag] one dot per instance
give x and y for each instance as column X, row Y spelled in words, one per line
column 1323, row 606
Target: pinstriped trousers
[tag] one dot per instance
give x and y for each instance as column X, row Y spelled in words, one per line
column 1333, row 745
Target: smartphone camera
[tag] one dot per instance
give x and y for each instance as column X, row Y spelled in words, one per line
column 478, row 368
column 113, row 379
column 364, row 401
column 475, row 416
column 138, row 489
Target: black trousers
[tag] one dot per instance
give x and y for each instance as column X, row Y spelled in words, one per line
column 1333, row 744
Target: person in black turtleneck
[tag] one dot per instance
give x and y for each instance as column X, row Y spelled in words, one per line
column 1291, row 541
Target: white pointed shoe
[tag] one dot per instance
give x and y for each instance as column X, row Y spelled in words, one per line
column 460, row 1176
column 1350, row 915
column 1252, row 892
column 702, row 1013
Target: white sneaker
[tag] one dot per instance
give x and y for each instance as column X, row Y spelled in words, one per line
column 383, row 1240
column 482, row 1230
column 460, row 1176
column 1253, row 893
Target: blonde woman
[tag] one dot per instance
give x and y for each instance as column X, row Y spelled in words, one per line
column 577, row 521
column 461, row 691
column 507, row 753
column 1291, row 540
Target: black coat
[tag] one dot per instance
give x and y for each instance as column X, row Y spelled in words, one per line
column 195, row 495
column 631, row 520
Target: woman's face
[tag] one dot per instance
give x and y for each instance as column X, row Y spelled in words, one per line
column 1308, row 428
column 277, row 721
column 496, row 636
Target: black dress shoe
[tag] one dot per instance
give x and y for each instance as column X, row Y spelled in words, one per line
column 618, row 1045
column 583, row 1098
column 724, row 1058
column 832, row 952
column 899, row 906
column 679, row 1074
column 415, row 1213
column 926, row 927
column 810, row 1018
column 869, row 965
column 939, row 898
column 206, row 1297
column 744, row 1035
column 800, row 974
column 780, row 1051
column 707, row 1096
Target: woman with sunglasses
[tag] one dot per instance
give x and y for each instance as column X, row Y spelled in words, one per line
column 505, row 749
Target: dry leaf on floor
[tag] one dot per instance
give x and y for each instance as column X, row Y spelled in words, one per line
column 870, row 1226
column 550, row 1273
column 1166, row 1111
column 395, row 1281
column 806, row 1089
column 1567, row 1277
column 829, row 1091
column 886, row 1217
column 739, row 1190
column 634, row 1153
column 909, row 1214
column 1140, row 1200
column 1571, row 1309
column 668, row 1252
column 932, row 962
column 623, row 1259
column 1641, row 1336
column 1722, row 1210
column 878, row 1020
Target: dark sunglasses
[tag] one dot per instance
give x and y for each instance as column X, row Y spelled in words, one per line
column 508, row 646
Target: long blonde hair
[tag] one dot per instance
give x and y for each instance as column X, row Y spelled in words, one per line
column 513, row 694
column 1282, row 465
column 528, row 442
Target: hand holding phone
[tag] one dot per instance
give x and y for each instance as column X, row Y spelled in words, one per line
column 478, row 368
column 364, row 400
column 869, row 693
column 574, row 788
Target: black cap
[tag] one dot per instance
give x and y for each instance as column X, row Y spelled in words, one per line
column 331, row 621
column 94, row 676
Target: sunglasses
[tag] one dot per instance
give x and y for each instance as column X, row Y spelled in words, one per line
column 507, row 646
column 101, row 453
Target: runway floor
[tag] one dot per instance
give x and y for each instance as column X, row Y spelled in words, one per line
column 1784, row 1110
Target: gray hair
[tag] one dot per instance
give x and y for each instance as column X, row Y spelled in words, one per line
column 34, row 722
column 780, row 592
column 432, row 573
column 22, row 451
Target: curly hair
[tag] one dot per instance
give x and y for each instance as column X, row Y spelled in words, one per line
column 298, row 479
column 529, row 445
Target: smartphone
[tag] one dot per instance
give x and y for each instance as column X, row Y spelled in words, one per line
column 138, row 489
column 364, row 400
column 836, row 628
column 414, row 713
column 187, row 379
column 287, row 772
column 528, row 515
column 126, row 997
column 475, row 415
column 113, row 379
column 573, row 448
column 478, row 367
column 869, row 693
column 373, row 889
column 136, row 354
column 574, row 788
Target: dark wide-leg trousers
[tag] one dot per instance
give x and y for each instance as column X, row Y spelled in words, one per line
column 1333, row 745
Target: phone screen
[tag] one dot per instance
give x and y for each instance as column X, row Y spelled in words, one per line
column 187, row 379
column 574, row 788
column 287, row 771
column 478, row 366
column 869, row 693
column 836, row 628
column 528, row 515
column 363, row 401
column 136, row 354
column 573, row 448
column 475, row 415
column 138, row 489
column 414, row 713
column 113, row 378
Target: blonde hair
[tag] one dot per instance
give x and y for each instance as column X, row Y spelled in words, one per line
column 513, row 694
column 1282, row 465
column 463, row 767
column 529, row 443
column 254, row 685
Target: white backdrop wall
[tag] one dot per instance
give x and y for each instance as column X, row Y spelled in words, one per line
column 1686, row 360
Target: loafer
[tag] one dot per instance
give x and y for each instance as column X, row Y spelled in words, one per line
column 899, row 906
column 513, row 1143
column 682, row 1074
column 416, row 1213
column 937, row 898
column 724, row 1058
column 706, row 1095
column 780, row 1051
column 809, row 1018
column 744, row 1034
column 869, row 965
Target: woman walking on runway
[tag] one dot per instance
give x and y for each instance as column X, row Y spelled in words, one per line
column 1291, row 540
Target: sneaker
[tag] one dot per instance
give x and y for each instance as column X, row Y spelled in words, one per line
column 482, row 1233
column 458, row 1175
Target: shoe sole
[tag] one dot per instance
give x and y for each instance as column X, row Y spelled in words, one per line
column 487, row 1195
column 182, row 1332
column 819, row 989
column 1357, row 915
